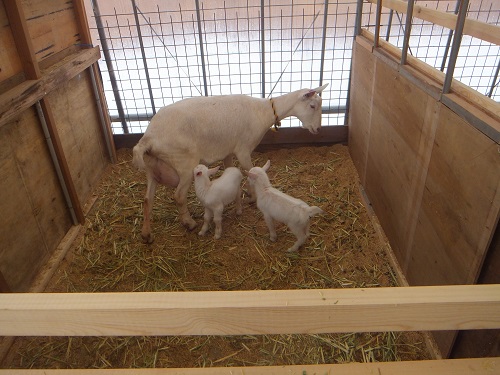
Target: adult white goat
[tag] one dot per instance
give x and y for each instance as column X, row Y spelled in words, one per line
column 216, row 194
column 276, row 205
column 209, row 129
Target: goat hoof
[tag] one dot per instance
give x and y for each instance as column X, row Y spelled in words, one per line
column 147, row 238
column 191, row 224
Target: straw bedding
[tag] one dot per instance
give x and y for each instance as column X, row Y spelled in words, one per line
column 343, row 251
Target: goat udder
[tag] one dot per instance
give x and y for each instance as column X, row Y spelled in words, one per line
column 164, row 174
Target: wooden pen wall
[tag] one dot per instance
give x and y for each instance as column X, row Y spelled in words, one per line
column 430, row 166
column 43, row 61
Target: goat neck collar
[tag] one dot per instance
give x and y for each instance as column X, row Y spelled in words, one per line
column 277, row 122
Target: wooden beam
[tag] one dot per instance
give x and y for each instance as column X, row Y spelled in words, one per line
column 251, row 312
column 29, row 92
column 476, row 366
column 285, row 137
column 476, row 29
column 22, row 38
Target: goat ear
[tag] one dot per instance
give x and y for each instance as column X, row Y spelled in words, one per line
column 309, row 94
column 213, row 170
column 321, row 88
column 267, row 165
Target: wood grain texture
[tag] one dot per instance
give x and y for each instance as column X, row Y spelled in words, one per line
column 476, row 366
column 52, row 26
column 77, row 122
column 251, row 312
column 10, row 62
column 360, row 111
column 460, row 205
column 34, row 217
column 29, row 92
column 394, row 156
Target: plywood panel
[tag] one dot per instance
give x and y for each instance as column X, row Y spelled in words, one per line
column 460, row 203
column 10, row 65
column 34, row 217
column 52, row 26
column 362, row 84
column 394, row 154
column 77, row 121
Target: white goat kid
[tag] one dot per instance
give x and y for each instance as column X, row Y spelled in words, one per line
column 216, row 194
column 276, row 205
column 208, row 129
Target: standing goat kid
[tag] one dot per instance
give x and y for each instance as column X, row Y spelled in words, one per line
column 216, row 194
column 208, row 129
column 276, row 205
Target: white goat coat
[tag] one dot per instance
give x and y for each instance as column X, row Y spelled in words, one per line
column 276, row 205
column 209, row 129
column 216, row 194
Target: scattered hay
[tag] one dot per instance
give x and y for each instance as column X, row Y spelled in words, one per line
column 343, row 251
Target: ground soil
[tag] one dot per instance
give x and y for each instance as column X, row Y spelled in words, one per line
column 343, row 251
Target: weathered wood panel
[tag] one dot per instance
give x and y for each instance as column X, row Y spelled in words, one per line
column 34, row 216
column 52, row 26
column 77, row 121
column 10, row 64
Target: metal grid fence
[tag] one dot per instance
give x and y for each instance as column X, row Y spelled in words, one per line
column 157, row 53
column 478, row 62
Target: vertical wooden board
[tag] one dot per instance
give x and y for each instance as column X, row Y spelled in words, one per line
column 10, row 64
column 398, row 113
column 33, row 219
column 461, row 191
column 52, row 25
column 362, row 79
column 40, row 178
column 77, row 121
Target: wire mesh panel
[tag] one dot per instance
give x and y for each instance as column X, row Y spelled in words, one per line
column 477, row 62
column 159, row 53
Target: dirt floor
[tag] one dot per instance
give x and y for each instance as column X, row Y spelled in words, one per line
column 343, row 251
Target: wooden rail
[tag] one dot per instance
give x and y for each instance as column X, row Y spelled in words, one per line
column 474, row 28
column 261, row 312
column 476, row 366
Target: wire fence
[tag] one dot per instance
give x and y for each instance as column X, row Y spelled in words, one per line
column 156, row 53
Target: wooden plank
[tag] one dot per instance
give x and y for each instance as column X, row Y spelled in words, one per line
column 28, row 93
column 482, row 102
column 285, row 137
column 77, row 125
column 33, row 210
column 24, row 45
column 9, row 58
column 474, row 28
column 476, row 366
column 459, row 206
column 52, row 26
column 362, row 86
column 251, row 312
column 61, row 158
column 395, row 157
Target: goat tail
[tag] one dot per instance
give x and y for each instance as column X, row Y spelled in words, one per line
column 139, row 150
column 314, row 210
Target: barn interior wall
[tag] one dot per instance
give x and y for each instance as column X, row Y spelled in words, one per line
column 431, row 175
column 36, row 39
